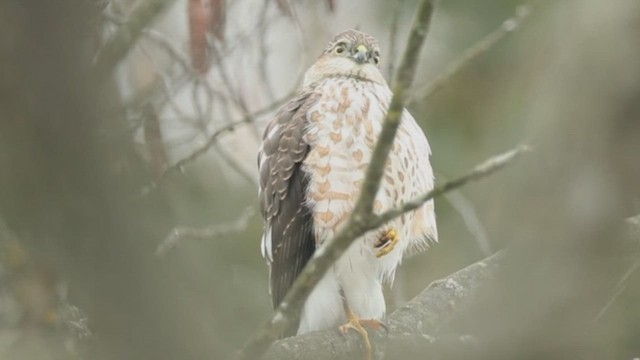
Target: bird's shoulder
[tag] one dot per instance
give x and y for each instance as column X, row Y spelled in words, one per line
column 283, row 148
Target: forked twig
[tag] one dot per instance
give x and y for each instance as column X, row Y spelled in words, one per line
column 472, row 53
column 180, row 234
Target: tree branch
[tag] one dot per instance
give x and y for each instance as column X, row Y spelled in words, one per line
column 415, row 327
column 486, row 168
column 126, row 35
column 180, row 234
column 327, row 254
column 473, row 52
column 401, row 83
column 420, row 318
column 231, row 126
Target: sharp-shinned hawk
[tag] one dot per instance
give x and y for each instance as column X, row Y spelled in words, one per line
column 312, row 164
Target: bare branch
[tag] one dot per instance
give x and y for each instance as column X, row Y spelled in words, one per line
column 235, row 165
column 417, row 324
column 401, row 84
column 485, row 169
column 126, row 35
column 264, row 55
column 180, row 234
column 620, row 287
column 173, row 52
column 482, row 46
column 464, row 207
column 220, row 131
column 331, row 251
column 633, row 234
column 213, row 138
column 236, row 96
column 393, row 37
column 421, row 318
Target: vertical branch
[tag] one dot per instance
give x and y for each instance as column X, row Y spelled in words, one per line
column 401, row 83
column 393, row 38
column 126, row 35
column 483, row 45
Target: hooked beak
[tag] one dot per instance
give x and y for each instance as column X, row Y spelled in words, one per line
column 361, row 54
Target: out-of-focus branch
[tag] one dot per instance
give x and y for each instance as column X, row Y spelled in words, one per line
column 464, row 207
column 393, row 38
column 171, row 49
column 482, row 46
column 180, row 234
column 401, row 83
column 419, row 319
column 219, row 132
column 327, row 254
column 633, row 234
column 485, row 169
column 415, row 327
column 211, row 141
column 331, row 250
column 126, row 35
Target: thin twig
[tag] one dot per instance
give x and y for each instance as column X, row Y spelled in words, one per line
column 473, row 52
column 172, row 50
column 620, row 287
column 220, row 131
column 264, row 55
column 196, row 154
column 126, row 35
column 484, row 169
column 180, row 234
column 469, row 215
column 393, row 37
column 241, row 168
column 164, row 80
column 633, row 233
column 236, row 96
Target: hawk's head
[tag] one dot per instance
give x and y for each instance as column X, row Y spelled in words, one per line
column 352, row 54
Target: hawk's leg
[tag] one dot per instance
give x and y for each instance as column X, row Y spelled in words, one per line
column 355, row 323
column 386, row 242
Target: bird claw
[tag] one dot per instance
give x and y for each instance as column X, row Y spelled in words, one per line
column 386, row 243
column 357, row 325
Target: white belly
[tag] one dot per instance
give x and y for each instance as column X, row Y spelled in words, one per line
column 342, row 134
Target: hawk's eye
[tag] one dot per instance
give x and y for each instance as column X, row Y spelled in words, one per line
column 340, row 48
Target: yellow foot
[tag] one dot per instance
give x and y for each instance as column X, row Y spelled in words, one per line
column 386, row 242
column 357, row 324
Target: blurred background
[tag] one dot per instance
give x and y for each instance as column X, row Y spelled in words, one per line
column 104, row 153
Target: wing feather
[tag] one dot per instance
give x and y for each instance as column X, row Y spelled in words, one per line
column 289, row 241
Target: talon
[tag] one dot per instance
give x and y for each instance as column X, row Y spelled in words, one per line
column 356, row 324
column 387, row 242
column 374, row 324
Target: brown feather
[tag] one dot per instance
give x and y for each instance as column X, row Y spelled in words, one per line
column 283, row 195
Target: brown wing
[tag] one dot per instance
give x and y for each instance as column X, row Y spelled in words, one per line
column 288, row 241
